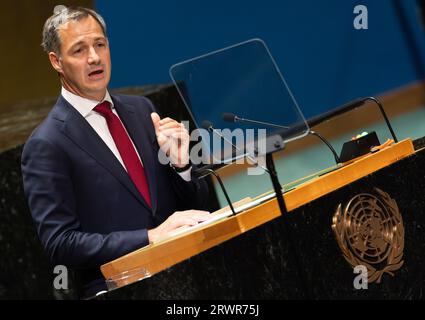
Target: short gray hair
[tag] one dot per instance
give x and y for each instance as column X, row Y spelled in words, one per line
column 61, row 15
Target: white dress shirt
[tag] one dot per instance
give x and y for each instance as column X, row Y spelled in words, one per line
column 98, row 122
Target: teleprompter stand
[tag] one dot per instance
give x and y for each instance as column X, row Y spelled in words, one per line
column 274, row 143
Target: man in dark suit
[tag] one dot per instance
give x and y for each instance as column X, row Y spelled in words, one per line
column 95, row 186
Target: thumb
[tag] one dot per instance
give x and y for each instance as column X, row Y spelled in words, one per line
column 155, row 120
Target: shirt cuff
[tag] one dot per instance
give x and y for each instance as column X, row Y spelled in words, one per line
column 186, row 175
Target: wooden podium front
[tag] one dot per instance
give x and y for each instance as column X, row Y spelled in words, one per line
column 154, row 258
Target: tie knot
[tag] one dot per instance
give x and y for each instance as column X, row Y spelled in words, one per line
column 104, row 108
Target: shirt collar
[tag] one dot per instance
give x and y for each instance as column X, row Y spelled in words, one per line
column 83, row 105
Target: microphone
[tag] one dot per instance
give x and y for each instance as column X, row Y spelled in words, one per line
column 209, row 126
column 230, row 117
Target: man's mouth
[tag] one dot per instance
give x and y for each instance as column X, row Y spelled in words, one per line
column 96, row 74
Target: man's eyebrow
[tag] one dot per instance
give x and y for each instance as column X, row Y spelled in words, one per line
column 83, row 42
column 77, row 43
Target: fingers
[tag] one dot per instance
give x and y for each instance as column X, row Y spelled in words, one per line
column 198, row 215
column 192, row 211
column 155, row 120
column 182, row 220
column 166, row 120
column 187, row 221
column 165, row 123
column 170, row 132
column 167, row 127
column 170, row 127
column 178, row 220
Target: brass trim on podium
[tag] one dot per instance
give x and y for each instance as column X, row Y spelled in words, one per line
column 157, row 257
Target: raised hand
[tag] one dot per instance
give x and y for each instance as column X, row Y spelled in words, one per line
column 173, row 139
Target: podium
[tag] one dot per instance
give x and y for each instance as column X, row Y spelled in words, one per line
column 295, row 277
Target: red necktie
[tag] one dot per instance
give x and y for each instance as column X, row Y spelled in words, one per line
column 125, row 147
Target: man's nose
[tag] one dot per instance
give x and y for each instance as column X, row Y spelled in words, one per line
column 93, row 56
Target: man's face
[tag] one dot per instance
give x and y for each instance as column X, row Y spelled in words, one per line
column 84, row 62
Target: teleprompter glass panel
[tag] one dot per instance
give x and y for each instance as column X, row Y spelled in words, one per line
column 242, row 80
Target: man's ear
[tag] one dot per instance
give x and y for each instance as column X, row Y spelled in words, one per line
column 55, row 62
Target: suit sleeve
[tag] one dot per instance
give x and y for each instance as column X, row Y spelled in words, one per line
column 190, row 194
column 48, row 187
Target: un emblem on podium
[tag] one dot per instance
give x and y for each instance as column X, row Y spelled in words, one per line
column 370, row 232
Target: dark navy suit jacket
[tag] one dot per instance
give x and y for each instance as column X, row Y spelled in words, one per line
column 86, row 209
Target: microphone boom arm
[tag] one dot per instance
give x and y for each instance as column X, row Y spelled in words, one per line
column 237, row 119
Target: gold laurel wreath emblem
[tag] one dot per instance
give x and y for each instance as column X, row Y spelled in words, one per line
column 370, row 232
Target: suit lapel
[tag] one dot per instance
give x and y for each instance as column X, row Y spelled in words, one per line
column 137, row 129
column 81, row 133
